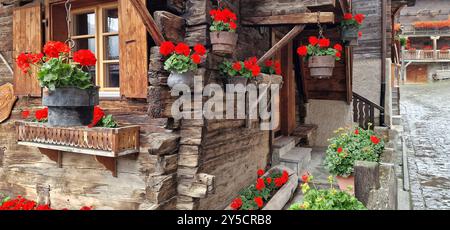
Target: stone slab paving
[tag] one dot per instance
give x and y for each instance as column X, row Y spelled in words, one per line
column 426, row 117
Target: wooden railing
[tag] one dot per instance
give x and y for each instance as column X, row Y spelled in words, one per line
column 411, row 30
column 364, row 111
column 428, row 55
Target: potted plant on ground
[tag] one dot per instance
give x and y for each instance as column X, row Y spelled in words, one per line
column 223, row 34
column 68, row 90
column 181, row 62
column 320, row 56
column 349, row 146
column 326, row 199
column 240, row 72
column 350, row 28
column 272, row 190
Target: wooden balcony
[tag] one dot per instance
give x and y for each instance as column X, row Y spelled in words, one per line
column 426, row 55
column 411, row 31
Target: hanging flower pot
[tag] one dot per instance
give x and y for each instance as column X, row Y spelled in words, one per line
column 350, row 28
column 182, row 62
column 320, row 56
column 223, row 34
column 240, row 72
column 321, row 67
column 68, row 90
column 70, row 106
column 223, row 42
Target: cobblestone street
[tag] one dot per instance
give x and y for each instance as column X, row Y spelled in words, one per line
column 426, row 117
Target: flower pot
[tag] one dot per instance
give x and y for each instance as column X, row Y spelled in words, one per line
column 70, row 106
column 345, row 182
column 237, row 80
column 267, row 79
column 321, row 67
column 350, row 35
column 223, row 43
column 181, row 79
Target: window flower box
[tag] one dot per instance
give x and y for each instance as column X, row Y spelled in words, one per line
column 106, row 144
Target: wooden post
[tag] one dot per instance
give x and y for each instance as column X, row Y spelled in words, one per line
column 367, row 178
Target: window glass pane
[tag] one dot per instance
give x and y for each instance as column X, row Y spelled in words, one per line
column 85, row 44
column 112, row 47
column 112, row 20
column 112, row 79
column 84, row 24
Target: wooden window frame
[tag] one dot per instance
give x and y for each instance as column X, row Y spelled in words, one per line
column 99, row 36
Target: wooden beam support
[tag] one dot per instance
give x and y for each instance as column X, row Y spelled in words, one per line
column 299, row 18
column 149, row 23
column 283, row 42
column 54, row 155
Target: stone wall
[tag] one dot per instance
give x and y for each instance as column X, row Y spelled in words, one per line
column 5, row 42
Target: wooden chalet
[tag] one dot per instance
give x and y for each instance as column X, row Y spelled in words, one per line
column 186, row 164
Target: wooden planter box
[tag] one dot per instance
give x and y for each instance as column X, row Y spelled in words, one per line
column 285, row 193
column 106, row 144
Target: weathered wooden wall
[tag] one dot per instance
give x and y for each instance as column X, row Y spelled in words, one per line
column 6, row 46
column 370, row 43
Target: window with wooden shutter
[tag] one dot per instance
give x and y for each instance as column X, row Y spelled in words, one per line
column 27, row 37
column 133, row 52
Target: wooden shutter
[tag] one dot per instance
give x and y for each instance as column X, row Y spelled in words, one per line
column 27, row 37
column 133, row 52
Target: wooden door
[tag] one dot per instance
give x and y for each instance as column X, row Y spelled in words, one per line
column 417, row 74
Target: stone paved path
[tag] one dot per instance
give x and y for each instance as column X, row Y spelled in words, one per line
column 426, row 117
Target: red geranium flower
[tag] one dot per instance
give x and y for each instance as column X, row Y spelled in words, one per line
column 284, row 177
column 356, row 131
column 268, row 63
column 233, row 26
column 305, row 178
column 340, row 149
column 86, row 208
column 98, row 116
column 256, row 70
column 360, row 34
column 269, row 180
column 338, row 54
column 277, row 66
column 41, row 114
column 359, row 18
column 302, row 50
column 278, row 182
column 182, row 49
column 200, row 49
column 85, row 58
column 259, row 202
column 236, row 204
column 237, row 66
column 324, row 42
column 260, row 172
column 313, row 40
column 260, row 184
column 348, row 16
column 375, row 140
column 196, row 58
column 338, row 47
column 25, row 114
column 53, row 49
column 24, row 60
column 166, row 48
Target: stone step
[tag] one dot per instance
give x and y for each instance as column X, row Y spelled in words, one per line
column 396, row 120
column 281, row 146
column 297, row 159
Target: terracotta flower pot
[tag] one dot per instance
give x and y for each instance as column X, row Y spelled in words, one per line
column 345, row 182
column 181, row 79
column 321, row 67
column 70, row 106
column 223, row 43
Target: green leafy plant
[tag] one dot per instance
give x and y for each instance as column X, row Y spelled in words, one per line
column 255, row 196
column 326, row 199
column 350, row 20
column 403, row 41
column 107, row 122
column 248, row 68
column 351, row 145
column 56, row 69
column 181, row 59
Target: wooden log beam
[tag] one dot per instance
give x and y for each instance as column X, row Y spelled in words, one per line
column 149, row 23
column 284, row 41
column 298, row 18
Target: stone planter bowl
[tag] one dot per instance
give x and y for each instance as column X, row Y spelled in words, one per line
column 70, row 106
column 181, row 79
column 321, row 67
column 223, row 43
